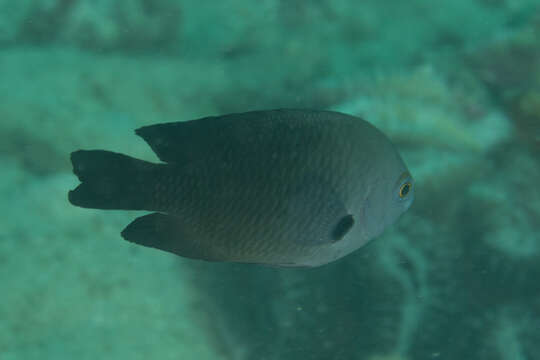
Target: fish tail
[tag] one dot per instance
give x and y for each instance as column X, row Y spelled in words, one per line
column 110, row 180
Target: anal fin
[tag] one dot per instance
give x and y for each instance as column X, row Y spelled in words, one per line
column 166, row 232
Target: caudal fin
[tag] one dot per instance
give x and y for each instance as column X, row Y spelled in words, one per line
column 110, row 180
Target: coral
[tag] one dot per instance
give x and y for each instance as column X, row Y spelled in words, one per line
column 514, row 333
column 90, row 100
column 12, row 15
column 511, row 69
column 387, row 357
column 71, row 293
column 101, row 25
column 420, row 109
column 456, row 278
column 130, row 25
column 466, row 249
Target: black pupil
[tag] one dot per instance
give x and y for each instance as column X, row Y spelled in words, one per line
column 405, row 189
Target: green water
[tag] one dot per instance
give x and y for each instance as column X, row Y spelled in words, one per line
column 454, row 84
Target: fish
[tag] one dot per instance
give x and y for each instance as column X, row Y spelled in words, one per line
column 284, row 188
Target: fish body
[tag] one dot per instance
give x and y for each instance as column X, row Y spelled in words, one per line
column 276, row 187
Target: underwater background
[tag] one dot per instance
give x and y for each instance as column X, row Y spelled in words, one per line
column 454, row 84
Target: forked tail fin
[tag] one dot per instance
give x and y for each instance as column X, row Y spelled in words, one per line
column 111, row 180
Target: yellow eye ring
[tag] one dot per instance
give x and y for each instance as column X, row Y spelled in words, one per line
column 404, row 189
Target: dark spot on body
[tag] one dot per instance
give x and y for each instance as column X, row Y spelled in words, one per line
column 343, row 226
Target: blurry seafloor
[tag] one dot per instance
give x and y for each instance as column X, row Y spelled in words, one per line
column 455, row 84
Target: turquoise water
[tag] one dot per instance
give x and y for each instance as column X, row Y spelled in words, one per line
column 454, row 84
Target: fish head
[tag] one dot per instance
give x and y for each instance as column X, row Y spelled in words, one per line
column 386, row 199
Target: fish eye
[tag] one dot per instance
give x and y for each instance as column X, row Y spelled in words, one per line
column 404, row 186
column 404, row 189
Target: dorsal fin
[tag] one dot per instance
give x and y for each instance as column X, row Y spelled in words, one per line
column 183, row 141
